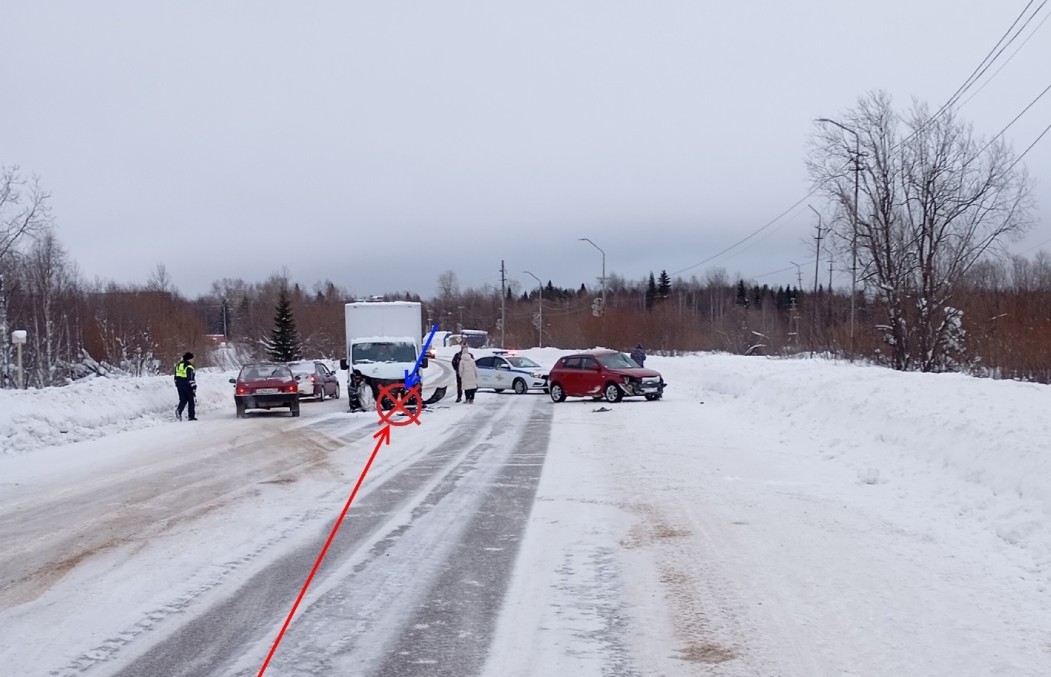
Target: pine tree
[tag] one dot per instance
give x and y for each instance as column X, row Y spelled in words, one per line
column 757, row 296
column 742, row 294
column 651, row 291
column 664, row 285
column 283, row 345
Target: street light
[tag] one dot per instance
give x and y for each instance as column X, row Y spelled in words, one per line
column 854, row 226
column 540, row 299
column 603, row 278
column 603, row 281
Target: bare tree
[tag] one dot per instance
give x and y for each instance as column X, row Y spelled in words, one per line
column 448, row 287
column 50, row 277
column 24, row 212
column 160, row 280
column 932, row 203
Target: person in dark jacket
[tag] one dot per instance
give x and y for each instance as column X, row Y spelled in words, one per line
column 459, row 381
column 186, row 384
column 639, row 355
column 355, row 384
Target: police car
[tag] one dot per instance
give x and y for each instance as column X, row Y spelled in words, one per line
column 503, row 370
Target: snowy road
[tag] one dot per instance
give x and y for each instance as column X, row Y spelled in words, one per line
column 447, row 522
column 732, row 529
column 446, row 517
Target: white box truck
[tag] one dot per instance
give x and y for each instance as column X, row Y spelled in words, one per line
column 384, row 339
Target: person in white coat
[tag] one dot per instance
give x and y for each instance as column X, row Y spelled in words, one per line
column 468, row 371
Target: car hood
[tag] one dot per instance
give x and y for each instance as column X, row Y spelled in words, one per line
column 639, row 372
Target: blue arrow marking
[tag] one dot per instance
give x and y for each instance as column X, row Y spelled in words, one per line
column 414, row 378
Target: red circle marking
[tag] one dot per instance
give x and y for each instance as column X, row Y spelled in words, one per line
column 399, row 405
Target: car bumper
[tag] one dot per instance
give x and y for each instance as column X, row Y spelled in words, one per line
column 268, row 401
column 644, row 388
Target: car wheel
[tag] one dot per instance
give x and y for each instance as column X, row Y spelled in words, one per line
column 520, row 386
column 321, row 394
column 294, row 409
column 653, row 396
column 240, row 410
column 557, row 394
column 335, row 395
column 612, row 392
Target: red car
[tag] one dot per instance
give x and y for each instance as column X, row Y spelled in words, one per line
column 265, row 385
column 603, row 374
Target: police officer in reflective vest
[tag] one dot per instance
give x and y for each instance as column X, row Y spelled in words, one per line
column 186, row 384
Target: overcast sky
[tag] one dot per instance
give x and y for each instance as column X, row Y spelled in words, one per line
column 378, row 144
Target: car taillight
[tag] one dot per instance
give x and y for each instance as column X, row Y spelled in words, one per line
column 291, row 388
column 313, row 379
column 241, row 390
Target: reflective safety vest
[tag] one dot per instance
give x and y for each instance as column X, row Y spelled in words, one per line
column 182, row 369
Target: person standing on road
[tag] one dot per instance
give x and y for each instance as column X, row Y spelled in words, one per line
column 456, row 368
column 186, row 384
column 468, row 372
column 639, row 355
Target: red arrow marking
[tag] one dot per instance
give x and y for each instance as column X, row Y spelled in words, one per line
column 382, row 437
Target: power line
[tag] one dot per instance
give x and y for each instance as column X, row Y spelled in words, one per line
column 976, row 74
column 991, row 58
column 777, row 218
column 1019, row 158
column 1009, row 58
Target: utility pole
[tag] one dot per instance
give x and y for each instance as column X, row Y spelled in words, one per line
column 503, row 305
column 539, row 324
column 817, row 249
column 795, row 308
column 4, row 354
column 817, row 265
column 854, row 227
column 799, row 275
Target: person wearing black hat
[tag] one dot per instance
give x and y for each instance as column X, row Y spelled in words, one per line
column 186, row 384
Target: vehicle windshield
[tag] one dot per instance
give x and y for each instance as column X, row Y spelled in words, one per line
column 617, row 361
column 370, row 353
column 255, row 372
column 522, row 362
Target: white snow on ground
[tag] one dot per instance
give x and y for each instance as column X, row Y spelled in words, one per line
column 789, row 517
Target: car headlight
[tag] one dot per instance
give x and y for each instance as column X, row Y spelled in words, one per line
column 537, row 374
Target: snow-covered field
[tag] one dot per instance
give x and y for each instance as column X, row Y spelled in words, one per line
column 768, row 517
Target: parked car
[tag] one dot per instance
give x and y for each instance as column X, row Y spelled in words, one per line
column 315, row 380
column 603, row 374
column 504, row 370
column 265, row 385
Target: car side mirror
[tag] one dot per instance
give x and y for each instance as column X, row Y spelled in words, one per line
column 234, row 381
column 343, row 363
column 424, row 362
